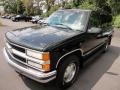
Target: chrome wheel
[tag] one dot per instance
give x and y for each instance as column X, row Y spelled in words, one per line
column 69, row 72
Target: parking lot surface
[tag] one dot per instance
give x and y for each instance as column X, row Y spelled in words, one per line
column 103, row 73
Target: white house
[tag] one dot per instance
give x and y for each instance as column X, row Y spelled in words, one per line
column 60, row 1
column 42, row 4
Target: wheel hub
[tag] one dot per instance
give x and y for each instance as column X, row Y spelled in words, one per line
column 69, row 72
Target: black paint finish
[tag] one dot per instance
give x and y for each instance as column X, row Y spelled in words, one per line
column 58, row 40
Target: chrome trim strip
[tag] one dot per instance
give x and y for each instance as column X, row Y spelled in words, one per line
column 93, row 49
column 68, row 54
column 36, row 75
column 7, row 45
column 79, row 49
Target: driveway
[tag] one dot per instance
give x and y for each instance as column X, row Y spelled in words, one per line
column 92, row 76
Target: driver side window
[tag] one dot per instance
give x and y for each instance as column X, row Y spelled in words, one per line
column 99, row 19
column 94, row 20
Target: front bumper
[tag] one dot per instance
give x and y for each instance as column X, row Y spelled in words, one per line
column 35, row 75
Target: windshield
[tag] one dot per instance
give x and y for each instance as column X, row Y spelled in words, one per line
column 76, row 20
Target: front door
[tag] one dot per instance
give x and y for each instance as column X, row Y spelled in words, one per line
column 92, row 40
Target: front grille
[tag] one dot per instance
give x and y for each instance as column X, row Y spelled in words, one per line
column 17, row 48
column 18, row 55
column 19, row 58
column 14, row 60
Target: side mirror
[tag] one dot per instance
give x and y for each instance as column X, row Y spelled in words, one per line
column 94, row 30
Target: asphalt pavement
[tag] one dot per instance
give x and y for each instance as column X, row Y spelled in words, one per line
column 103, row 73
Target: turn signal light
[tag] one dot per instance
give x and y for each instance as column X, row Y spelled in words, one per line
column 46, row 67
column 46, row 56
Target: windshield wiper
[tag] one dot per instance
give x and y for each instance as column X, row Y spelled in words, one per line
column 65, row 26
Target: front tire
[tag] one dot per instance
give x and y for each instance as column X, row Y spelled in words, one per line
column 68, row 71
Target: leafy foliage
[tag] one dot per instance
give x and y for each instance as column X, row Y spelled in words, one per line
column 53, row 9
column 115, row 5
column 13, row 6
column 27, row 7
column 117, row 21
column 68, row 6
column 87, row 5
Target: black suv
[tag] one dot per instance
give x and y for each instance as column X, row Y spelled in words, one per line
column 57, row 49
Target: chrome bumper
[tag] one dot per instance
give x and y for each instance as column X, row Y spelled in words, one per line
column 35, row 75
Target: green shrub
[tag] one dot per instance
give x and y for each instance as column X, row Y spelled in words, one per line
column 68, row 6
column 52, row 9
column 87, row 5
column 117, row 21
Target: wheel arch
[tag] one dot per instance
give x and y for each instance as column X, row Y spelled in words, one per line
column 76, row 52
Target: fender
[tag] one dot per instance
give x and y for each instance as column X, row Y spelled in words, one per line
column 81, row 51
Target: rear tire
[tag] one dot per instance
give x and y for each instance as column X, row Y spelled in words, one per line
column 106, row 46
column 67, row 72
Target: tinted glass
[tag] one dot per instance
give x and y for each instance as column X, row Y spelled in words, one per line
column 76, row 20
column 94, row 19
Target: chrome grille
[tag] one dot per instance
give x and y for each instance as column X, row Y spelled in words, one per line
column 15, row 55
column 18, row 55
column 20, row 58
column 17, row 48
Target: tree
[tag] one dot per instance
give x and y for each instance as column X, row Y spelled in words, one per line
column 20, row 7
column 28, row 6
column 49, row 4
column 115, row 4
column 13, row 6
column 76, row 3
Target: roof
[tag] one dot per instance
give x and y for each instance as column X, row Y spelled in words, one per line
column 85, row 10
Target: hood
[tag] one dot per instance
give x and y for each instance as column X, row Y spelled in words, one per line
column 39, row 37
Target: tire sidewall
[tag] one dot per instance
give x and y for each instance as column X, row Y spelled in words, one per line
column 106, row 46
column 61, row 70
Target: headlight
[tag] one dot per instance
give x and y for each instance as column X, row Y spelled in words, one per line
column 45, row 56
column 42, row 56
